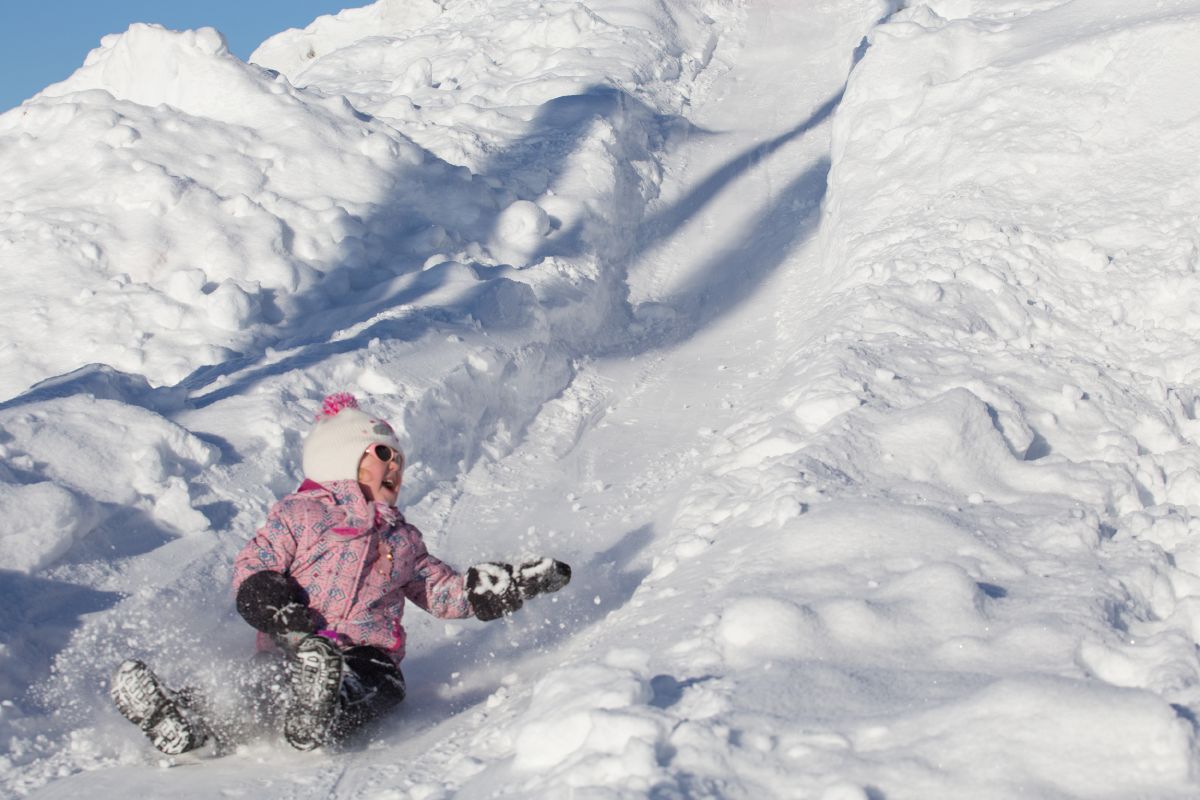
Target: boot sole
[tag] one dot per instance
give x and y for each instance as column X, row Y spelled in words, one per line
column 316, row 679
column 143, row 700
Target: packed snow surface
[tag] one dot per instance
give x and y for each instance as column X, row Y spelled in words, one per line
column 844, row 348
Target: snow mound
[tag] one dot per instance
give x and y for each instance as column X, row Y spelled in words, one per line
column 466, row 82
column 1041, row 186
column 1007, row 738
column 599, row 735
column 44, row 520
column 291, row 51
column 186, row 209
column 72, row 462
column 192, row 71
column 212, row 198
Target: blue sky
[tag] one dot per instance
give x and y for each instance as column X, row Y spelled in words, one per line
column 46, row 41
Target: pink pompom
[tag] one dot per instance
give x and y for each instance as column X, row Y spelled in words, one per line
column 335, row 403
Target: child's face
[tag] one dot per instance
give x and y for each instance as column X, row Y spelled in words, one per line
column 379, row 479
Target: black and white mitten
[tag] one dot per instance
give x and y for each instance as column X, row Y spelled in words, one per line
column 275, row 604
column 541, row 577
column 497, row 589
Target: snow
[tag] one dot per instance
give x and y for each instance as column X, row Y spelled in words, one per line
column 844, row 350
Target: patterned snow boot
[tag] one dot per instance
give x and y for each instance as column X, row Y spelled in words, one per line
column 166, row 717
column 315, row 681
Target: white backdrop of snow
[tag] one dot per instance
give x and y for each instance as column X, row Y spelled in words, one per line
column 913, row 519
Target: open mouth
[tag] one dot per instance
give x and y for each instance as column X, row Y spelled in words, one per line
column 389, row 484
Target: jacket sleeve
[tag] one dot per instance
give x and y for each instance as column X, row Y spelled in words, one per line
column 273, row 548
column 435, row 586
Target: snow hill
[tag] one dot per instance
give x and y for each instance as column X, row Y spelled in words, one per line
column 846, row 349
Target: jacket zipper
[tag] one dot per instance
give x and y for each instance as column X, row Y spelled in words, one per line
column 353, row 594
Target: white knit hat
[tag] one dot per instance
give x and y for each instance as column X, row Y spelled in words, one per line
column 338, row 440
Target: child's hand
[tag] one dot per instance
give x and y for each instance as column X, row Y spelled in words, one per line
column 497, row 589
column 292, row 618
column 274, row 603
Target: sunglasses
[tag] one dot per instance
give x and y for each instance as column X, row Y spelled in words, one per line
column 385, row 453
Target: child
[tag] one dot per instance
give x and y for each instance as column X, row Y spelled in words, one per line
column 325, row 582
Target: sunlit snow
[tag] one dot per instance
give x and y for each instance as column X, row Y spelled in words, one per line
column 845, row 349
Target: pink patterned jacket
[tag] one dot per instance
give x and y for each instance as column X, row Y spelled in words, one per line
column 357, row 560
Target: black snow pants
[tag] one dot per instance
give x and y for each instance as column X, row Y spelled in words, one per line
column 372, row 685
